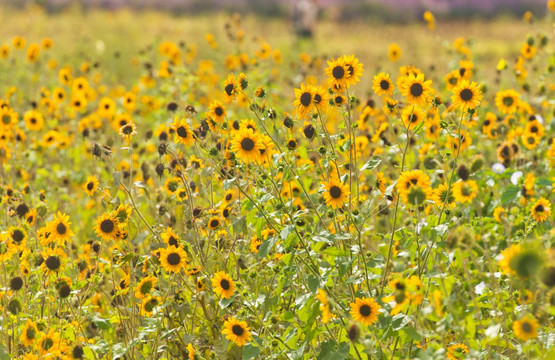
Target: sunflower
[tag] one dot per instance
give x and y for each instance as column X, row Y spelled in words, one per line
column 182, row 133
column 193, row 270
column 338, row 73
column 170, row 237
column 466, row 95
column 18, row 236
column 223, row 284
column 59, row 229
column 411, row 179
column 535, row 127
column 217, row 112
column 304, row 101
column 526, row 328
column 128, row 130
column 320, row 99
column 107, row 226
column 33, row 120
column 382, row 85
column 465, row 191
column 507, row 257
column 336, row 193
column 7, row 248
column 354, row 69
column 457, row 352
column 237, row 331
column 173, row 259
column 190, row 351
column 530, row 140
column 49, row 344
column 507, row 101
column 214, row 223
column 416, row 90
column 411, row 117
column 394, row 52
column 230, row 88
column 365, row 310
column 144, row 287
column 29, row 333
column 541, row 210
column 443, row 197
column 246, row 145
column 31, row 217
column 54, row 259
column 324, row 306
column 91, row 185
column 200, row 285
column 255, row 244
column 149, row 304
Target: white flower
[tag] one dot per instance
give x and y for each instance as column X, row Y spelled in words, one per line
column 515, row 176
column 498, row 168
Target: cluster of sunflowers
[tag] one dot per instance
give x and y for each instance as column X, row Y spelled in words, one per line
column 211, row 211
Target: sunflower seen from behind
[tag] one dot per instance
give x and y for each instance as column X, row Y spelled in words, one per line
column 237, row 331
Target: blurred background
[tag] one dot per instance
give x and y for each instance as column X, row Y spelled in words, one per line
column 338, row 10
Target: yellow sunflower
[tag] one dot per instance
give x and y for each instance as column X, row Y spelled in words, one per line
column 466, row 95
column 173, row 259
column 183, row 134
column 507, row 257
column 29, row 333
column 223, row 284
column 237, row 331
column 354, row 69
column 365, row 310
column 324, row 306
column 457, row 352
column 217, row 112
column 541, row 210
column 465, row 191
column 91, row 185
column 53, row 260
column 382, row 85
column 107, row 227
column 394, row 52
column 411, row 117
column 337, row 73
column 33, row 120
column 413, row 179
column 230, row 88
column 144, row 287
column 336, row 193
column 507, row 101
column 416, row 90
column 170, row 237
column 526, row 328
column 59, row 229
column 246, row 145
column 304, row 101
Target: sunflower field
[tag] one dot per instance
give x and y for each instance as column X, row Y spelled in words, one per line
column 221, row 196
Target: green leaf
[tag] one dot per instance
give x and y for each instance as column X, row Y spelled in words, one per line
column 371, row 164
column 313, row 283
column 509, row 194
column 286, row 231
column 103, row 324
column 250, row 352
column 412, row 333
column 4, row 355
column 340, row 354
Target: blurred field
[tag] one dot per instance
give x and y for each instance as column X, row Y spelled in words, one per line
column 97, row 35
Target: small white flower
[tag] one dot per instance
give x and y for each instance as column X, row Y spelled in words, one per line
column 498, row 168
column 515, row 176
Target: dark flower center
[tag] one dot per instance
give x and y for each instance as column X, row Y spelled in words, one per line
column 534, row 129
column 219, row 111
column 77, row 352
column 247, row 144
column 172, row 241
column 90, row 186
column 30, row 333
column 107, row 226
column 416, row 90
column 53, row 262
column 335, row 192
column 539, row 208
column 317, row 98
column 413, row 118
column 229, row 89
column 17, row 236
column 384, row 84
column 182, row 132
column 466, row 94
column 365, row 310
column 305, row 99
column 224, row 284
column 214, row 223
column 508, row 101
column 174, row 259
column 47, row 343
column 338, row 72
column 237, row 330
column 526, row 327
